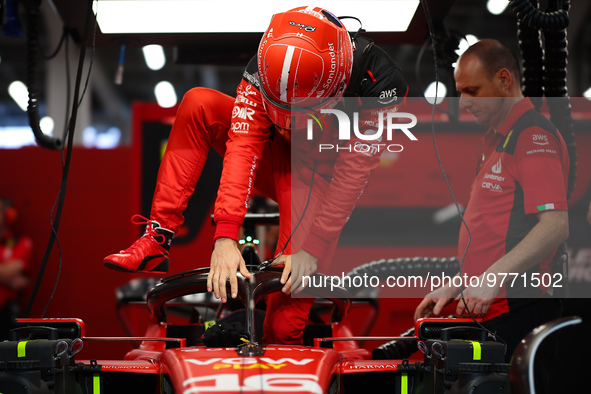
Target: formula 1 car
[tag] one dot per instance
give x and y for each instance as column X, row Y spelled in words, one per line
column 171, row 357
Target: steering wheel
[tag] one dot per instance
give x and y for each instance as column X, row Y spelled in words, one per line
column 250, row 292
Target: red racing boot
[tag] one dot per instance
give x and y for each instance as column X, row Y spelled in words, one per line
column 149, row 254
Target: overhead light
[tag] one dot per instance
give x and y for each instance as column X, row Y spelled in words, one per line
column 154, row 56
column 165, row 94
column 89, row 136
column 466, row 43
column 587, row 94
column 430, row 92
column 47, row 124
column 110, row 139
column 497, row 7
column 19, row 93
column 233, row 16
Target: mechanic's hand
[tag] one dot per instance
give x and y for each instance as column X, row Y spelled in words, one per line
column 435, row 301
column 305, row 265
column 477, row 299
column 226, row 259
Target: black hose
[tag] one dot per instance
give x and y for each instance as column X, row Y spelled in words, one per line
column 527, row 13
column 545, row 73
column 405, row 266
column 532, row 54
column 556, row 87
column 66, row 164
column 33, row 72
column 398, row 349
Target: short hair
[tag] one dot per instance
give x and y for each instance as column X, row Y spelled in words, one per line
column 494, row 55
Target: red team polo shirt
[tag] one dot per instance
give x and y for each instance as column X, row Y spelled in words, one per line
column 523, row 170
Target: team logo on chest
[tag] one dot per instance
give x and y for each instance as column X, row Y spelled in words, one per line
column 497, row 168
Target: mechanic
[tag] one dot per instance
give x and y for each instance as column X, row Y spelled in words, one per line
column 516, row 217
column 305, row 57
column 15, row 257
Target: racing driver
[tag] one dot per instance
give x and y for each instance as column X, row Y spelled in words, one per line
column 306, row 61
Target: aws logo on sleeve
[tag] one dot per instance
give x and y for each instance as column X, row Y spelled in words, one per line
column 540, row 139
column 387, row 96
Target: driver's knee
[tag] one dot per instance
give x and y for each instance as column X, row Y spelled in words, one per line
column 281, row 332
column 286, row 319
column 206, row 116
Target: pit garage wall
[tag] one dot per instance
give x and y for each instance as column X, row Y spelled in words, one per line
column 106, row 187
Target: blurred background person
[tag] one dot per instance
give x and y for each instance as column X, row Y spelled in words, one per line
column 15, row 256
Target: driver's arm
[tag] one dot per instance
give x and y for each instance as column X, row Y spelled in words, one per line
column 247, row 137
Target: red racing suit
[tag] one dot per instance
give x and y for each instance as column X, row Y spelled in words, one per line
column 281, row 164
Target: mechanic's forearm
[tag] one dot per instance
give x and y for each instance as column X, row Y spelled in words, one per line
column 543, row 239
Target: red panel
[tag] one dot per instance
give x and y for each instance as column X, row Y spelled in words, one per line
column 97, row 202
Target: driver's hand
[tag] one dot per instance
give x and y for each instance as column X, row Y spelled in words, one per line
column 226, row 259
column 284, row 259
column 305, row 265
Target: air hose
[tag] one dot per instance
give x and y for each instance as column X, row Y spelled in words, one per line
column 33, row 72
column 545, row 73
column 398, row 349
column 555, row 85
column 406, row 266
column 527, row 12
column 530, row 45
